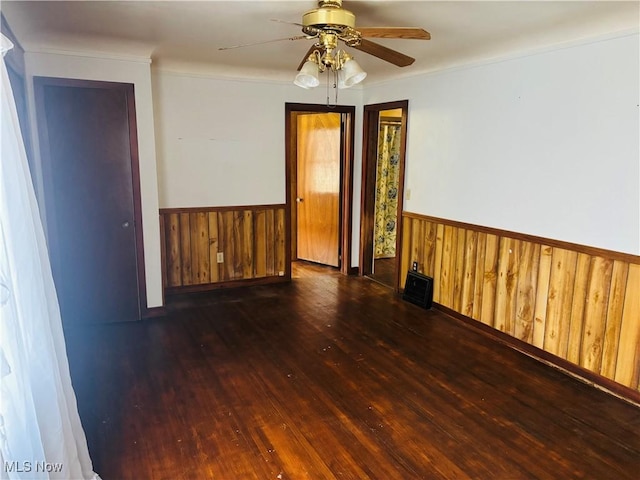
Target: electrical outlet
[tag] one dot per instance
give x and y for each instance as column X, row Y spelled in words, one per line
column 281, row 274
column 414, row 267
column 220, row 257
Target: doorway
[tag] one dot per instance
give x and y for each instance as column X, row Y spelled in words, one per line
column 319, row 165
column 89, row 155
column 384, row 148
column 318, row 188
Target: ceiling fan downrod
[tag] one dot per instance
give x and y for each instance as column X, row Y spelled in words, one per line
column 330, row 3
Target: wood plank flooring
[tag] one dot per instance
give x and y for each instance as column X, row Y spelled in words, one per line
column 334, row 377
column 384, row 271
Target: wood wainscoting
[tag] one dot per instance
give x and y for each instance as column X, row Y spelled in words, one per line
column 251, row 239
column 578, row 303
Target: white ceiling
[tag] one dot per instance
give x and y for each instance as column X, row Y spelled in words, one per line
column 185, row 35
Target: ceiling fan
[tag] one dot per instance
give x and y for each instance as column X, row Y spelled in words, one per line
column 330, row 23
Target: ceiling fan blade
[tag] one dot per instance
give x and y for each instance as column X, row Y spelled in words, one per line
column 314, row 47
column 310, row 30
column 408, row 33
column 277, row 20
column 299, row 37
column 384, row 53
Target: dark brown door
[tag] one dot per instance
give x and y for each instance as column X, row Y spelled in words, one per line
column 86, row 146
column 318, row 186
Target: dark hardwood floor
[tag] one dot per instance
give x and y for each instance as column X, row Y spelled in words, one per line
column 334, row 377
column 384, row 271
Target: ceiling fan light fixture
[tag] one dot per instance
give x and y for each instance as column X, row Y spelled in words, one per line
column 351, row 73
column 329, row 24
column 308, row 75
column 341, row 84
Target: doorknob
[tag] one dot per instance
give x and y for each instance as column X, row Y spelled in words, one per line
column 299, row 200
column 125, row 224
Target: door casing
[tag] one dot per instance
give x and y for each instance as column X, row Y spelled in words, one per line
column 371, row 120
column 346, row 175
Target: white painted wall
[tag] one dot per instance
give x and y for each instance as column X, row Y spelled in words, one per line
column 137, row 72
column 220, row 142
column 546, row 144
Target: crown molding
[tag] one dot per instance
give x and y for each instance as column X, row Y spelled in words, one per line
column 507, row 57
column 91, row 54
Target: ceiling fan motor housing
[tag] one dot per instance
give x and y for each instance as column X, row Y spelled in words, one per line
column 329, row 15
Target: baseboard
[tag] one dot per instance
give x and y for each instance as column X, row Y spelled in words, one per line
column 228, row 284
column 153, row 312
column 353, row 271
column 576, row 371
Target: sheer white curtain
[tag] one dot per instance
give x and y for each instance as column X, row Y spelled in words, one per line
column 41, row 436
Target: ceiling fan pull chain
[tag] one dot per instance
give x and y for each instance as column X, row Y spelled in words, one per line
column 328, row 102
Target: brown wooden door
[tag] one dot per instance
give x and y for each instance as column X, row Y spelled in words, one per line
column 87, row 161
column 318, row 188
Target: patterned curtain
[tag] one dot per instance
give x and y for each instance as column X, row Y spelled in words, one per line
column 387, row 181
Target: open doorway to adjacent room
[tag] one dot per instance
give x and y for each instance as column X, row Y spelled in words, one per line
column 319, row 150
column 384, row 147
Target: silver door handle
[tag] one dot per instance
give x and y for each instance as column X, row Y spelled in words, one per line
column 125, row 224
column 299, row 200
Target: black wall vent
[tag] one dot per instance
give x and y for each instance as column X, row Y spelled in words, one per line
column 418, row 289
